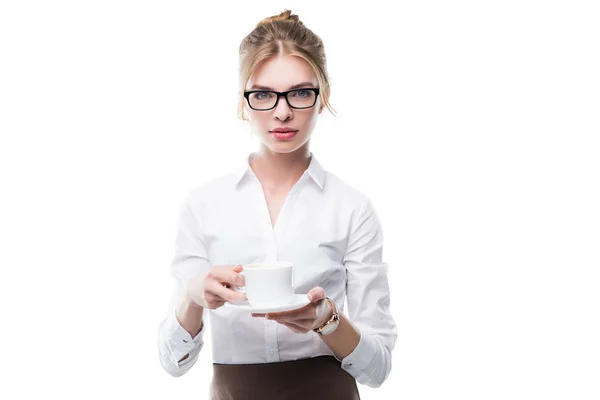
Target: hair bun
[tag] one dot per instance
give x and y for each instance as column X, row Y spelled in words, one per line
column 285, row 16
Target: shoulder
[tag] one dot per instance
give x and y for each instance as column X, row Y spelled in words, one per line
column 211, row 190
column 354, row 205
column 346, row 193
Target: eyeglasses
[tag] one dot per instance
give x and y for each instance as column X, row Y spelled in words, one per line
column 264, row 100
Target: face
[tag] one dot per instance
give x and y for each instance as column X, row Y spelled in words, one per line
column 281, row 74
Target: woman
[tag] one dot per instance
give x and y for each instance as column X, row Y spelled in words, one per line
column 281, row 205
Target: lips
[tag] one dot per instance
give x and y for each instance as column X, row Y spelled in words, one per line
column 283, row 135
column 283, row 130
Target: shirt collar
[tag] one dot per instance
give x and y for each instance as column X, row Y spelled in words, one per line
column 314, row 171
column 243, row 170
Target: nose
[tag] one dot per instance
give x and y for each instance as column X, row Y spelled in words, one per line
column 282, row 111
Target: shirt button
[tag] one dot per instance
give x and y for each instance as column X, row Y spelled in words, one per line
column 271, row 352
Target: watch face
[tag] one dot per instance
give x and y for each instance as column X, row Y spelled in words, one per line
column 330, row 328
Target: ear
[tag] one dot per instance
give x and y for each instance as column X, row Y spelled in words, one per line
column 321, row 105
column 245, row 111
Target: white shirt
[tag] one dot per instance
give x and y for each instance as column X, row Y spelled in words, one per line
column 326, row 228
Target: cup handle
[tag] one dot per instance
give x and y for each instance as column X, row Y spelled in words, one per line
column 239, row 289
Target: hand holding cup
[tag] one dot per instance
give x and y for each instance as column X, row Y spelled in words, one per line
column 215, row 287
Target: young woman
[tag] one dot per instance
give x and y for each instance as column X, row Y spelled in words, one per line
column 281, row 205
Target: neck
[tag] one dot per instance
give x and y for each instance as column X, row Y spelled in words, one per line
column 280, row 170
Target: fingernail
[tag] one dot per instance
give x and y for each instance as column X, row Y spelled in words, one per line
column 309, row 296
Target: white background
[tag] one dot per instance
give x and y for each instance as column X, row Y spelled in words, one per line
column 473, row 127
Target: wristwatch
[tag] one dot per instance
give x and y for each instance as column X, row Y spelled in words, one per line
column 332, row 324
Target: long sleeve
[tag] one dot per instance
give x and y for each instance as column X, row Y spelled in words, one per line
column 191, row 258
column 368, row 299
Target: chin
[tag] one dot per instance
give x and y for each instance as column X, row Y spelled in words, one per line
column 283, row 148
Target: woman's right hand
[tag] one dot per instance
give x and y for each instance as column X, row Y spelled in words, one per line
column 212, row 289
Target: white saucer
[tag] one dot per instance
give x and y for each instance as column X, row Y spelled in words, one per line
column 298, row 301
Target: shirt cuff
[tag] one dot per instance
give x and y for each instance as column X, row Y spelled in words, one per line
column 179, row 341
column 359, row 360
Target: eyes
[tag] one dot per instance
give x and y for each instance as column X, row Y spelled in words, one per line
column 264, row 100
column 299, row 93
column 262, row 95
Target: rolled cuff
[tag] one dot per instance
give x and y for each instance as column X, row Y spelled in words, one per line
column 369, row 363
column 179, row 341
column 362, row 356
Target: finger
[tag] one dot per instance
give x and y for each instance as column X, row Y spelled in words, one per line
column 256, row 315
column 306, row 312
column 210, row 297
column 240, row 280
column 225, row 276
column 224, row 293
column 316, row 294
column 213, row 301
column 215, row 304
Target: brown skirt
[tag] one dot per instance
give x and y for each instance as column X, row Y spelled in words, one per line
column 310, row 378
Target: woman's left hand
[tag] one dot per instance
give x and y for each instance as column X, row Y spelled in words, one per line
column 307, row 318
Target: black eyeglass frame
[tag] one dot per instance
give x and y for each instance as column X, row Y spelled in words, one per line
column 279, row 94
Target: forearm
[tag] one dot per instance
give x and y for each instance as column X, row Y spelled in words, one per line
column 344, row 339
column 189, row 315
column 363, row 356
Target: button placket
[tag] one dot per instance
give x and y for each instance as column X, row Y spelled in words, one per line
column 271, row 247
column 272, row 244
column 272, row 348
column 283, row 218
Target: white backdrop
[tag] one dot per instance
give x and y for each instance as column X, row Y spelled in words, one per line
column 473, row 127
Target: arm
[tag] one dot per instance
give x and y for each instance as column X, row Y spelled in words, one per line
column 344, row 339
column 181, row 332
column 189, row 315
column 368, row 298
column 364, row 345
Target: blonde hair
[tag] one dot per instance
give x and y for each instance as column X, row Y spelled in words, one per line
column 282, row 34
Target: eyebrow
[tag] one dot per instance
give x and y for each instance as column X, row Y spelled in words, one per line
column 299, row 85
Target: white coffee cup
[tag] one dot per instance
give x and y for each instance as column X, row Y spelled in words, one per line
column 269, row 283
